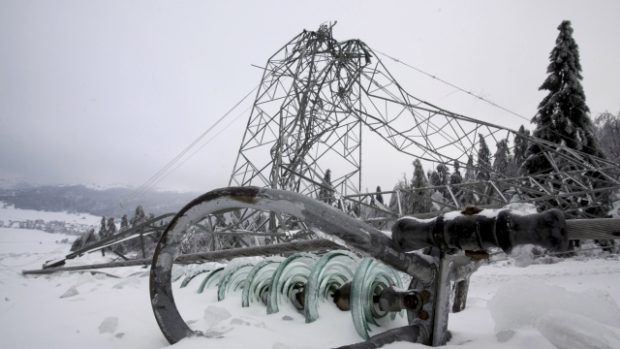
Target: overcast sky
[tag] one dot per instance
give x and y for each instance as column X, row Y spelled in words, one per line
column 107, row 92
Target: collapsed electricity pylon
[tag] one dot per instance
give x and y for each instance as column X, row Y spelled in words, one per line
column 317, row 94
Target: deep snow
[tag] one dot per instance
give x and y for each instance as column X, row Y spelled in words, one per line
column 569, row 304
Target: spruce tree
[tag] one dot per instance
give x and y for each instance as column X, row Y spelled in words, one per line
column 484, row 172
column 502, row 164
column 484, row 160
column 421, row 198
column 468, row 197
column 444, row 177
column 434, row 178
column 124, row 222
column 520, row 149
column 326, row 192
column 607, row 128
column 455, row 179
column 139, row 216
column 111, row 226
column 103, row 231
column 501, row 160
column 404, row 195
column 470, row 171
column 379, row 196
column 563, row 116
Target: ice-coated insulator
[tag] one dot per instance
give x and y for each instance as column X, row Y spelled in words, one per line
column 333, row 270
column 233, row 278
column 370, row 280
column 193, row 274
column 211, row 280
column 289, row 281
column 259, row 280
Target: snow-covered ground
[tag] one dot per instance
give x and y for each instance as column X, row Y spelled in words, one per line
column 10, row 213
column 572, row 304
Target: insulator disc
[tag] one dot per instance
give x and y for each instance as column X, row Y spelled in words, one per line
column 259, row 280
column 289, row 280
column 369, row 280
column 331, row 271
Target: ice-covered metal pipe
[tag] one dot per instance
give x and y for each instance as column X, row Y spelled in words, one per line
column 504, row 229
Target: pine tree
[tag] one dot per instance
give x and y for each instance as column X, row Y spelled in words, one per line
column 124, row 222
column 111, row 226
column 326, row 192
column 484, row 161
column 379, row 196
column 483, row 173
column 562, row 116
column 455, row 179
column 607, row 129
column 470, row 171
column 520, row 149
column 444, row 178
column 139, row 216
column 502, row 160
column 103, row 231
column 502, row 164
column 421, row 198
column 434, row 178
column 468, row 197
column 395, row 198
column 444, row 174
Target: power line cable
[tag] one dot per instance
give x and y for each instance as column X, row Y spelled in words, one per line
column 154, row 179
column 435, row 77
column 181, row 163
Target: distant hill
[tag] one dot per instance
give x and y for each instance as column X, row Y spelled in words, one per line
column 106, row 202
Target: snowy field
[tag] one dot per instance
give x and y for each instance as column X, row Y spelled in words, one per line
column 10, row 213
column 569, row 304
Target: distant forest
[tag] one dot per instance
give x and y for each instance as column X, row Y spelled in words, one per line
column 78, row 198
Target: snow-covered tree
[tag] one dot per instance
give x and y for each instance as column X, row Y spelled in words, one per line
column 326, row 192
column 434, row 178
column 502, row 164
column 402, row 188
column 456, row 178
column 124, row 222
column 139, row 216
column 103, row 231
column 421, row 199
column 470, row 171
column 563, row 116
column 379, row 196
column 83, row 240
column 111, row 226
column 607, row 128
column 444, row 178
column 502, row 160
column 484, row 160
column 520, row 149
column 468, row 197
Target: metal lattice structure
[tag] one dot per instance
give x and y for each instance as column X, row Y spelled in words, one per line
column 317, row 94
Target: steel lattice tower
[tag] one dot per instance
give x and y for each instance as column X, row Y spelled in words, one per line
column 316, row 95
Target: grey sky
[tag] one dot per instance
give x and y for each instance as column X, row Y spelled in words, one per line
column 107, row 92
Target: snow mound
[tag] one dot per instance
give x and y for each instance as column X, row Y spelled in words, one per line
column 214, row 314
column 569, row 330
column 108, row 325
column 522, row 304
